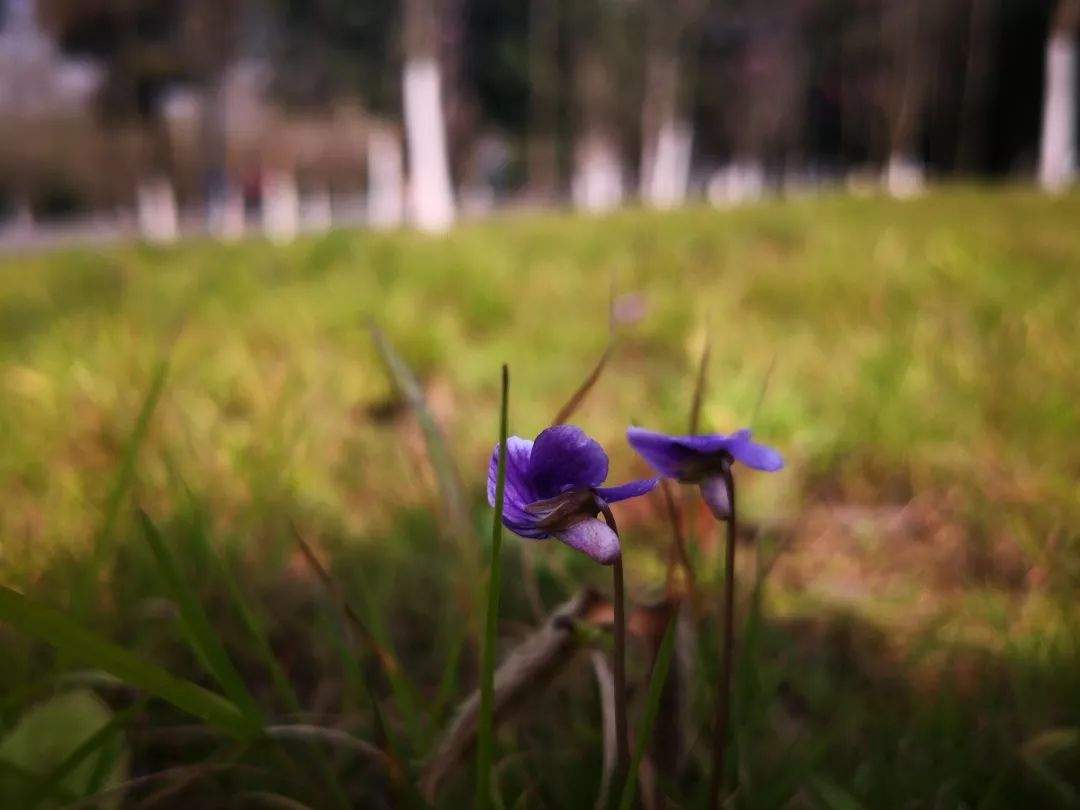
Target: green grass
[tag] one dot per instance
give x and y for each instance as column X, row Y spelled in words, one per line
column 924, row 351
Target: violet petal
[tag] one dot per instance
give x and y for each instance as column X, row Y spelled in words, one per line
column 564, row 458
column 594, row 538
column 519, row 492
column 754, row 455
column 691, row 458
column 629, row 490
column 668, row 455
column 714, row 492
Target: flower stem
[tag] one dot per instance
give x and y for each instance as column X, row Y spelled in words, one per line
column 622, row 741
column 723, row 696
column 622, row 738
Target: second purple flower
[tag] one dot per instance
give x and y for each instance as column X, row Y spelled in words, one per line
column 703, row 460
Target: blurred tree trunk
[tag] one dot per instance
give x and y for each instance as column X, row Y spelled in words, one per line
column 386, row 178
column 280, row 203
column 431, row 196
column 598, row 164
column 155, row 195
column 458, row 99
column 217, row 179
column 1057, row 153
column 666, row 131
column 907, row 45
column 543, row 99
column 208, row 42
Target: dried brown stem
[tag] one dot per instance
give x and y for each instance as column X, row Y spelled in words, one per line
column 571, row 406
column 522, row 674
column 605, row 682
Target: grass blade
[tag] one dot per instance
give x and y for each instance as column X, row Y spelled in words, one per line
column 405, row 693
column 207, row 644
column 482, row 798
column 762, row 391
column 103, row 542
column 441, row 458
column 196, row 626
column 126, row 471
column 699, row 387
column 55, row 628
column 449, row 680
column 396, row 765
column 572, row 404
column 280, row 680
column 652, row 704
column 256, row 629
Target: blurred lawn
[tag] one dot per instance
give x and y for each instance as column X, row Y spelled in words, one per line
column 922, row 346
column 923, row 352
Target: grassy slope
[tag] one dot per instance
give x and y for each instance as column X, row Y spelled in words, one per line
column 918, row 345
column 921, row 349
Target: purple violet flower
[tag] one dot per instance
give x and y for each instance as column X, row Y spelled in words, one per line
column 703, row 460
column 553, row 490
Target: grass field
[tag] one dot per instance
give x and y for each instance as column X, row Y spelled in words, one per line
column 909, row 629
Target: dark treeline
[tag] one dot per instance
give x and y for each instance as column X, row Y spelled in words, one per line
column 800, row 81
column 594, row 99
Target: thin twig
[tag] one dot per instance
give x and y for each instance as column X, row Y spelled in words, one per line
column 384, row 656
column 308, row 732
column 389, row 664
column 571, row 406
column 264, row 799
column 679, row 541
column 180, row 772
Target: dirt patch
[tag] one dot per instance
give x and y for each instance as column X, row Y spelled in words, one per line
column 919, row 550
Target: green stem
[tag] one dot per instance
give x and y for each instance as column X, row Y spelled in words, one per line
column 727, row 609
column 484, row 744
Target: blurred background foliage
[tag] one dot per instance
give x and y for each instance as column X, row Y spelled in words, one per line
column 189, row 432
column 914, row 640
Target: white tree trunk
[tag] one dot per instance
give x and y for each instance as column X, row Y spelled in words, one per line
column 1057, row 154
column 226, row 215
column 280, row 205
column 317, row 211
column 905, row 176
column 386, row 179
column 431, row 198
column 598, row 180
column 155, row 205
column 666, row 166
column 737, row 183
